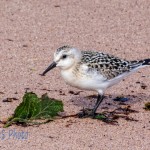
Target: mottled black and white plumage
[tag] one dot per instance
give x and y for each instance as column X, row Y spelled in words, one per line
column 108, row 65
column 92, row 70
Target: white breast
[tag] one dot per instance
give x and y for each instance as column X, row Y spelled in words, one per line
column 68, row 76
column 83, row 79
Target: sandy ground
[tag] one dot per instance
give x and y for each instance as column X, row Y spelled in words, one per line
column 30, row 32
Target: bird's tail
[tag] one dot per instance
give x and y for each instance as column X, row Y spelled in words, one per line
column 146, row 62
column 140, row 63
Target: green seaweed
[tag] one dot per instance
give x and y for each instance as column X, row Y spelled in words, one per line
column 147, row 106
column 100, row 117
column 33, row 108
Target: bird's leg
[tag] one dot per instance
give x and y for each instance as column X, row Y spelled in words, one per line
column 99, row 100
column 88, row 112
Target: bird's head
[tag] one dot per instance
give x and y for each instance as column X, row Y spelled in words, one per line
column 64, row 57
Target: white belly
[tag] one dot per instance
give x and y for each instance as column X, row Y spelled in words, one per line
column 84, row 81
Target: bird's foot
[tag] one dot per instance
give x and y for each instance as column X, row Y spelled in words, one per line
column 85, row 112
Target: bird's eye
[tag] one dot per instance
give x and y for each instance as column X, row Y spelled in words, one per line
column 64, row 56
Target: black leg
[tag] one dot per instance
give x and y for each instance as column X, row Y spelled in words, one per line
column 99, row 100
column 88, row 112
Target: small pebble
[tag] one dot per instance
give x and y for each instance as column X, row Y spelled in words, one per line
column 121, row 99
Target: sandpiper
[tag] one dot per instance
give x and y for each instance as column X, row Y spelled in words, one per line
column 92, row 70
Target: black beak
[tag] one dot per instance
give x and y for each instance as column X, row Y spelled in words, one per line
column 53, row 65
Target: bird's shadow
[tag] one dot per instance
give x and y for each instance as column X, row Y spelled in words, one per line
column 108, row 102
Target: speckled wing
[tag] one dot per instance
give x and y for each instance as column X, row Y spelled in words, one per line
column 107, row 65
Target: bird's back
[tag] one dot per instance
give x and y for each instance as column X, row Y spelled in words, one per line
column 107, row 65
